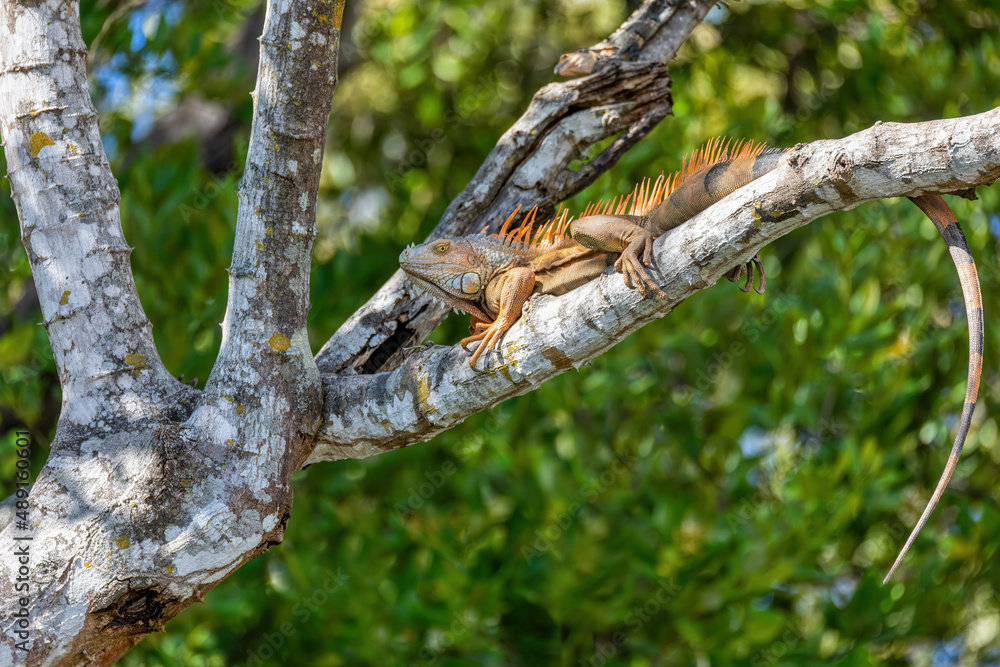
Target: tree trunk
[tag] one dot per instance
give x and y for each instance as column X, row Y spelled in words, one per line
column 155, row 492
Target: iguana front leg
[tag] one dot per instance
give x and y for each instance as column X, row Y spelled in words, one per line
column 477, row 324
column 509, row 291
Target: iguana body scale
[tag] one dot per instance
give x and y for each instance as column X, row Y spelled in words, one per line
column 491, row 276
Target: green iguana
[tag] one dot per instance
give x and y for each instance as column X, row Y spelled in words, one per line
column 491, row 276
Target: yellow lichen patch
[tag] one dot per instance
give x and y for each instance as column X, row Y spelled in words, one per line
column 65, row 298
column 757, row 218
column 260, row 246
column 170, row 569
column 136, row 361
column 269, row 231
column 338, row 14
column 279, row 342
column 424, row 393
column 40, row 140
column 122, row 542
column 511, row 349
column 86, row 564
column 240, row 410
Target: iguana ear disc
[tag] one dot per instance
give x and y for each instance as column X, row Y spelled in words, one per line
column 471, row 283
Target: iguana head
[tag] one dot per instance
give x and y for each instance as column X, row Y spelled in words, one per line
column 450, row 270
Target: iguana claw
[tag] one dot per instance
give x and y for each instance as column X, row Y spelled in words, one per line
column 633, row 269
column 488, row 336
column 747, row 268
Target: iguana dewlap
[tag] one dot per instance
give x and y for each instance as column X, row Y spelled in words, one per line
column 491, row 276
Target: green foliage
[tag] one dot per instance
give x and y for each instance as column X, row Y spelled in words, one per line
column 725, row 487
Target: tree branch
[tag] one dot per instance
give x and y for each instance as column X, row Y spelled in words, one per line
column 665, row 43
column 646, row 34
column 435, row 389
column 135, row 517
column 265, row 321
column 627, row 96
column 67, row 201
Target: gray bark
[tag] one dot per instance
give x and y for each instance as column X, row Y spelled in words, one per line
column 155, row 492
column 435, row 389
column 626, row 95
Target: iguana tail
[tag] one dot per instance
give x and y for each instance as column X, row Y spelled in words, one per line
column 721, row 167
column 942, row 217
column 711, row 174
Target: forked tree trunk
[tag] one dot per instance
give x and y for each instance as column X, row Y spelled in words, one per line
column 155, row 492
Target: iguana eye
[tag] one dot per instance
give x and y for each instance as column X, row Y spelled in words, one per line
column 441, row 247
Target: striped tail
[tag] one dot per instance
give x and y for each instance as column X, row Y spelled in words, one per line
column 942, row 217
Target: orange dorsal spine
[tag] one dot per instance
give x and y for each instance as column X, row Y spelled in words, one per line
column 644, row 197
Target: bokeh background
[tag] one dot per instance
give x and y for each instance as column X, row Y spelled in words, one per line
column 725, row 487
